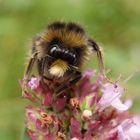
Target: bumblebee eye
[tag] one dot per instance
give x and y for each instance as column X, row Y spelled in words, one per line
column 74, row 59
column 53, row 49
column 74, row 56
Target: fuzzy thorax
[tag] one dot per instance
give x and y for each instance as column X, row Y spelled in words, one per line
column 58, row 68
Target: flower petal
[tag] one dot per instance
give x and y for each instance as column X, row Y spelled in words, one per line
column 134, row 131
column 48, row 99
column 111, row 95
column 60, row 103
column 75, row 128
column 121, row 134
column 89, row 73
column 75, row 138
column 34, row 83
column 119, row 105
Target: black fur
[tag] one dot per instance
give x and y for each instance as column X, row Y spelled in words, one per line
column 69, row 27
column 56, row 25
column 74, row 27
column 55, row 41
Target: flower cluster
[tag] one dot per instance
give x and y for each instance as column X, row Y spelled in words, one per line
column 87, row 111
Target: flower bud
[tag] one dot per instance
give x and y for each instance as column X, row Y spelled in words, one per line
column 87, row 114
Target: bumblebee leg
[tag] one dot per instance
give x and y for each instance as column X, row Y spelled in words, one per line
column 47, row 59
column 70, row 83
column 28, row 71
column 41, row 67
column 100, row 59
column 99, row 54
column 46, row 78
column 30, row 66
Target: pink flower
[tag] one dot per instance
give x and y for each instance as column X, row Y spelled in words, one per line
column 129, row 129
column 88, row 136
column 94, row 125
column 32, row 114
column 34, row 117
column 48, row 99
column 60, row 103
column 75, row 128
column 32, row 135
column 50, row 137
column 74, row 138
column 89, row 73
column 111, row 96
column 40, row 124
column 34, row 83
column 28, row 96
column 81, row 113
column 128, row 103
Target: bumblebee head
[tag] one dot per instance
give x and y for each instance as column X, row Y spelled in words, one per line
column 67, row 44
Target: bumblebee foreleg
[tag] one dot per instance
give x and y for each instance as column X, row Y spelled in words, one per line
column 30, row 66
column 77, row 77
column 28, row 70
column 41, row 68
column 99, row 55
column 100, row 58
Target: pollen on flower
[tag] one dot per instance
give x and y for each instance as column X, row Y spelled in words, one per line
column 60, row 136
column 46, row 119
column 74, row 102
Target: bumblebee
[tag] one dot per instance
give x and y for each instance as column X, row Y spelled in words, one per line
column 60, row 53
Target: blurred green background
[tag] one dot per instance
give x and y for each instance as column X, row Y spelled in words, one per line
column 114, row 24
